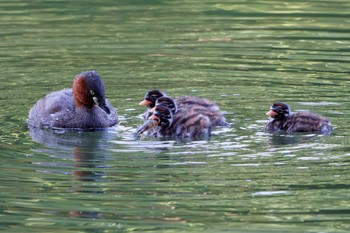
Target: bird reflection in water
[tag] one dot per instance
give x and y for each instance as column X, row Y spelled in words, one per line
column 287, row 139
column 87, row 169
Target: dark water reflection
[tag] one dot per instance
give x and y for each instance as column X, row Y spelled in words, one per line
column 243, row 55
column 86, row 150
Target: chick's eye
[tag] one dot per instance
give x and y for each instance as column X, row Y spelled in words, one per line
column 92, row 92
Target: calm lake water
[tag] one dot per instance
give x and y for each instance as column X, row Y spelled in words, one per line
column 241, row 54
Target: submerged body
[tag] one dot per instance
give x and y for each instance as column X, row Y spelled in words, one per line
column 283, row 120
column 81, row 107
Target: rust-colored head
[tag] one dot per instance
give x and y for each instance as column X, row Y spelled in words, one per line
column 88, row 90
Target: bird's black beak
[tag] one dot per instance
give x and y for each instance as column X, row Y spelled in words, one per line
column 102, row 104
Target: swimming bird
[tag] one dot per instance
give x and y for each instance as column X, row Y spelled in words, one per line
column 185, row 123
column 282, row 119
column 201, row 105
column 81, row 107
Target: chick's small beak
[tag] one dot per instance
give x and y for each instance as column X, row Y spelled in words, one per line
column 152, row 110
column 145, row 103
column 150, row 123
column 271, row 113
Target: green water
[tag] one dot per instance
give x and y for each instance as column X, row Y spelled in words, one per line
column 241, row 54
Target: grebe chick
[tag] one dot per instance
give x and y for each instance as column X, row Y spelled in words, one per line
column 186, row 123
column 282, row 119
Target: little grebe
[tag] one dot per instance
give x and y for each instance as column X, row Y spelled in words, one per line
column 82, row 107
column 282, row 119
column 185, row 123
column 201, row 105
